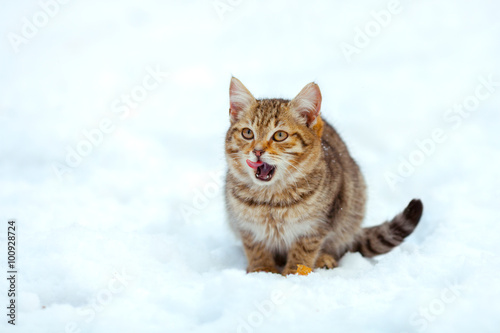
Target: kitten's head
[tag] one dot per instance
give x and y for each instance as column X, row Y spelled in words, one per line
column 273, row 141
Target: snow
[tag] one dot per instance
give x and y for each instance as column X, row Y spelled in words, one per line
column 132, row 237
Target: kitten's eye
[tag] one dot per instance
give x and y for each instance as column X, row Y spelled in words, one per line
column 280, row 136
column 247, row 133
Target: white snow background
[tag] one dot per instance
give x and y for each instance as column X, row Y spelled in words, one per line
column 132, row 237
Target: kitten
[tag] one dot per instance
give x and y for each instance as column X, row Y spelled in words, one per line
column 293, row 193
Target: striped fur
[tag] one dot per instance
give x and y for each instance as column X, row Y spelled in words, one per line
column 383, row 238
column 311, row 210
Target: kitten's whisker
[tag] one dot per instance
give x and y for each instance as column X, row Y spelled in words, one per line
column 277, row 159
column 300, row 171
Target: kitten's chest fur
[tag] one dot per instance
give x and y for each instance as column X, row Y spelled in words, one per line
column 274, row 219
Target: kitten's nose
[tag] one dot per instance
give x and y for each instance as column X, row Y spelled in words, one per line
column 258, row 153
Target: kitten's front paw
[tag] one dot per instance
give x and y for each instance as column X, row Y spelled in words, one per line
column 289, row 270
column 262, row 269
column 325, row 261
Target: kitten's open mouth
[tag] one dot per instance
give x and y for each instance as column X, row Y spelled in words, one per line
column 263, row 170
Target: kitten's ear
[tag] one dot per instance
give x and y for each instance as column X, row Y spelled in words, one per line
column 307, row 103
column 240, row 99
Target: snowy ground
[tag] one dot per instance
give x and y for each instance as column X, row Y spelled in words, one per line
column 127, row 234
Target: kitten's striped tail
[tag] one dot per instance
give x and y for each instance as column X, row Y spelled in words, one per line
column 382, row 238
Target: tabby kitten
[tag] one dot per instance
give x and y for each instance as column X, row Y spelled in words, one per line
column 293, row 193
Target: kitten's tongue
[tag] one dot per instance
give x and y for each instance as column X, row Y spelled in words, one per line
column 254, row 165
